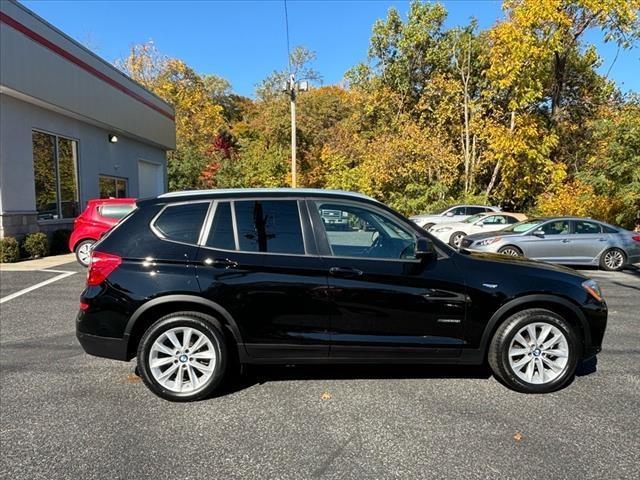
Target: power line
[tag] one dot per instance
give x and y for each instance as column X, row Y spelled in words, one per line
column 286, row 19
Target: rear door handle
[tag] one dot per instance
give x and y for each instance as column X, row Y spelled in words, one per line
column 345, row 272
column 220, row 262
column 565, row 240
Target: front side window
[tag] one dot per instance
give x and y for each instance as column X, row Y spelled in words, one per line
column 112, row 187
column 558, row 227
column 182, row 223
column 495, row 220
column 523, row 226
column 365, row 233
column 459, row 211
column 271, row 226
column 55, row 169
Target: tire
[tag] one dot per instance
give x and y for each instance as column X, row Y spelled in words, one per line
column 199, row 376
column 613, row 260
column 456, row 239
column 82, row 252
column 512, row 368
column 510, row 250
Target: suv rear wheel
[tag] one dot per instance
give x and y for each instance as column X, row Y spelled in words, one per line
column 182, row 357
column 534, row 351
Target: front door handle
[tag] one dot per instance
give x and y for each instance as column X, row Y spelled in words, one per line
column 220, row 262
column 565, row 240
column 345, row 272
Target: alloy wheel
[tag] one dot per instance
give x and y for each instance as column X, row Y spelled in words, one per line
column 84, row 252
column 539, row 353
column 510, row 251
column 457, row 240
column 614, row 259
column 182, row 359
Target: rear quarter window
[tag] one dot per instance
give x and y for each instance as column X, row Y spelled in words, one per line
column 182, row 223
column 115, row 211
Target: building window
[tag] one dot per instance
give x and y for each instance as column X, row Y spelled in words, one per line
column 113, row 187
column 55, row 168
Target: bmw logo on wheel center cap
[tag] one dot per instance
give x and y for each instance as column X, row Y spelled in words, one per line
column 183, row 358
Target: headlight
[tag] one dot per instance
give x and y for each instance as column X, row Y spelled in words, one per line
column 593, row 289
column 487, row 241
column 442, row 229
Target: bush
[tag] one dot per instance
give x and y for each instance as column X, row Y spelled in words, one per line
column 36, row 245
column 9, row 250
column 60, row 241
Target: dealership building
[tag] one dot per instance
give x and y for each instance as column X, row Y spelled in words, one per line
column 72, row 128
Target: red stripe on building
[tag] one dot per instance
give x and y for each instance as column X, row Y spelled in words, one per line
column 4, row 18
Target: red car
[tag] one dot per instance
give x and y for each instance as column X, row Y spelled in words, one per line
column 99, row 216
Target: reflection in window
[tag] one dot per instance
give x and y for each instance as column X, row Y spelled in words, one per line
column 221, row 233
column 55, row 170
column 112, row 187
column 269, row 226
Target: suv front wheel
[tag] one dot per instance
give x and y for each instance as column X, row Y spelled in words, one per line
column 182, row 357
column 534, row 351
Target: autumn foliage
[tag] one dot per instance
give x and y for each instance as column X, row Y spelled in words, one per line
column 518, row 115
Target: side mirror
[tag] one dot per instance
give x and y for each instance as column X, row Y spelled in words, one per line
column 538, row 233
column 425, row 249
column 449, row 214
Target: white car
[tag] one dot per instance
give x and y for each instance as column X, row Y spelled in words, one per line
column 456, row 213
column 453, row 232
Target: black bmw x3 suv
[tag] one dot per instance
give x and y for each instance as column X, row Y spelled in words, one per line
column 191, row 281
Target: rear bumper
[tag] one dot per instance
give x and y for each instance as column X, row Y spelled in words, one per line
column 107, row 347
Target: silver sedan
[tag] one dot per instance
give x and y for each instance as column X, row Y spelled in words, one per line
column 563, row 240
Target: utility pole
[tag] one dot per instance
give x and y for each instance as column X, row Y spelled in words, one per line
column 291, row 87
column 294, row 172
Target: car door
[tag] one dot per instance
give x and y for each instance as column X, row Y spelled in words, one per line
column 258, row 261
column 384, row 302
column 588, row 240
column 551, row 242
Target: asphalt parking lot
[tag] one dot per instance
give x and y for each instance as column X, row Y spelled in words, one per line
column 65, row 414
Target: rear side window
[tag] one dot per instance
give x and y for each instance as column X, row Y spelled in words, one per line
column 221, row 233
column 182, row 223
column 115, row 211
column 475, row 210
column 269, row 226
column 583, row 227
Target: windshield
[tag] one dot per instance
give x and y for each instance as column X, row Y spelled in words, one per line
column 523, row 226
column 473, row 218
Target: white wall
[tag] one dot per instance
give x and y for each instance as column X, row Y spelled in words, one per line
column 95, row 154
column 39, row 61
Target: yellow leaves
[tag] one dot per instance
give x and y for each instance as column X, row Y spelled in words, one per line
column 575, row 198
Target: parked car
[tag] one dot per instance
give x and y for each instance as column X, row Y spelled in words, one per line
column 563, row 240
column 192, row 283
column 454, row 232
column 456, row 213
column 99, row 216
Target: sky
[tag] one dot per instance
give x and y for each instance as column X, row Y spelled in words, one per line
column 244, row 41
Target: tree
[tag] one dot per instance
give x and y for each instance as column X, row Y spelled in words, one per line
column 300, row 65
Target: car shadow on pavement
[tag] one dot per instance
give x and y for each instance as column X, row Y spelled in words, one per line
column 261, row 374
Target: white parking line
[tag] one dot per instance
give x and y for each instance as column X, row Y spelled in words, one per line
column 62, row 275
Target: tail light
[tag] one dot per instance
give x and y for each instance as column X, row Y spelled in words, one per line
column 100, row 267
column 636, row 238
